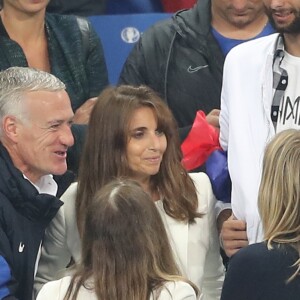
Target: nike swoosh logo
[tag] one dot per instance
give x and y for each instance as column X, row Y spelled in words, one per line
column 21, row 247
column 190, row 69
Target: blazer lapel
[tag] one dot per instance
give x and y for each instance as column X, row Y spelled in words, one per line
column 178, row 233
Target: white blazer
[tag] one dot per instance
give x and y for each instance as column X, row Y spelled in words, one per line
column 172, row 290
column 195, row 246
column 246, row 125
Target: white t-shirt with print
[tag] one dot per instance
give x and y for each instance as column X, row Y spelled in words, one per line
column 289, row 109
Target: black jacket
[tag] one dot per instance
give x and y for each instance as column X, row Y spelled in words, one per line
column 24, row 215
column 258, row 273
column 181, row 60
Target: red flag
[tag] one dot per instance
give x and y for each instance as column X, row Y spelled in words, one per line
column 201, row 141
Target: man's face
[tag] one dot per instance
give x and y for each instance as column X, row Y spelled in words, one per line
column 284, row 15
column 238, row 13
column 44, row 136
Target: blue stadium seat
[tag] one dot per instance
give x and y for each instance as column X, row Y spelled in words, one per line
column 119, row 33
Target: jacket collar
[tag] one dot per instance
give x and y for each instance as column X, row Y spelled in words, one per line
column 22, row 195
column 195, row 21
column 194, row 26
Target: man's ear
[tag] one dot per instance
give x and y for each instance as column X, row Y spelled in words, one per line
column 11, row 127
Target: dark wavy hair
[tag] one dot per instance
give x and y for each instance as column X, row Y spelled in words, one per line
column 104, row 155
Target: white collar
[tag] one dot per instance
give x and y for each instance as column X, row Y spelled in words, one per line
column 45, row 185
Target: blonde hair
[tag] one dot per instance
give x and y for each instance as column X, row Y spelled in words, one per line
column 279, row 192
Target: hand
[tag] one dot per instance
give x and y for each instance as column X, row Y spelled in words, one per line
column 223, row 216
column 82, row 114
column 213, row 118
column 233, row 235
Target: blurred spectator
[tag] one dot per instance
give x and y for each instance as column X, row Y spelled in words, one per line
column 77, row 7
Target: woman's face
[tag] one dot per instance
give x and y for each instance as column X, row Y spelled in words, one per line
column 146, row 144
column 26, row 6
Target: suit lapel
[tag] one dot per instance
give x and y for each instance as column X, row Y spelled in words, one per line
column 178, row 233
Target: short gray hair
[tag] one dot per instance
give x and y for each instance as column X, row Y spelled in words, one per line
column 15, row 82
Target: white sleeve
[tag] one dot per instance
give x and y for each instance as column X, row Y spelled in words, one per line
column 55, row 254
column 45, row 293
column 224, row 114
column 177, row 290
column 220, row 206
column 54, row 290
column 212, row 278
column 213, row 273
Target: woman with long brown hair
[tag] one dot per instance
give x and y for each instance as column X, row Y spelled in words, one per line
column 132, row 134
column 125, row 252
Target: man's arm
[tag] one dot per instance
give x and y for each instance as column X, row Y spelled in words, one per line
column 55, row 254
column 233, row 235
column 96, row 68
column 133, row 71
column 97, row 77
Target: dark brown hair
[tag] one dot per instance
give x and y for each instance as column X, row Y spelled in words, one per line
column 104, row 155
column 125, row 249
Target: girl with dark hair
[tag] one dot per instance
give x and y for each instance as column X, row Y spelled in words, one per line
column 125, row 252
column 132, row 134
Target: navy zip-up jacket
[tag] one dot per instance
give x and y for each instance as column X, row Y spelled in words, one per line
column 24, row 216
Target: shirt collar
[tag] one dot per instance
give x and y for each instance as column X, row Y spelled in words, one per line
column 45, row 185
